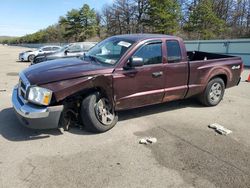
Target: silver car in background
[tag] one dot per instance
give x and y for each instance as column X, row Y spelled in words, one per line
column 68, row 51
column 29, row 55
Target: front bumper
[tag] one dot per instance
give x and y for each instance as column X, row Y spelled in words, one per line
column 22, row 57
column 36, row 117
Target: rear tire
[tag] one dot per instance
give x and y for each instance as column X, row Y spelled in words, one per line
column 31, row 58
column 97, row 114
column 213, row 93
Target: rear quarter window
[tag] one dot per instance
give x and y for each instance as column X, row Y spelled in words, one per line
column 173, row 51
column 46, row 49
column 55, row 48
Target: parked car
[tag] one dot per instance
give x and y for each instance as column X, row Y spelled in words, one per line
column 71, row 50
column 121, row 72
column 29, row 55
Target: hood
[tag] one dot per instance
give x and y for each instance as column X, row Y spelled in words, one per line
column 26, row 51
column 62, row 69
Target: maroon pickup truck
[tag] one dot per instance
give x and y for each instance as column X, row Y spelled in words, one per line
column 121, row 72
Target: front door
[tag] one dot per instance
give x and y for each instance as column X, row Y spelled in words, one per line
column 140, row 86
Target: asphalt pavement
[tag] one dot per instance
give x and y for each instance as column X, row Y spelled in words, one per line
column 187, row 153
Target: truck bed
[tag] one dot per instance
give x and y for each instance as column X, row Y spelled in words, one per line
column 203, row 65
column 198, row 56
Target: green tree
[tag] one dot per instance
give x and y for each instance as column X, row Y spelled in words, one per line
column 72, row 24
column 203, row 22
column 164, row 16
column 88, row 20
column 79, row 24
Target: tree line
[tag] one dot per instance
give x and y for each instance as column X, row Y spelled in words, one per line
column 190, row 19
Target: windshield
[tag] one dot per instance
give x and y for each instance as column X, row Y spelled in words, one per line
column 109, row 51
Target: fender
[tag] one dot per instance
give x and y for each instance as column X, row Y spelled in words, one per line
column 66, row 88
column 214, row 72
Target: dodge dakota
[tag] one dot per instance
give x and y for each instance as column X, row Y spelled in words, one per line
column 121, row 72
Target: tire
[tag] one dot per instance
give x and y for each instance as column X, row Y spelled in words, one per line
column 213, row 93
column 31, row 58
column 90, row 114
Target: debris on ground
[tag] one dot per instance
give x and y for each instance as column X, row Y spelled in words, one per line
column 220, row 129
column 148, row 140
column 152, row 140
column 2, row 90
column 143, row 141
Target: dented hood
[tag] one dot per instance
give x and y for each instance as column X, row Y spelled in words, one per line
column 62, row 69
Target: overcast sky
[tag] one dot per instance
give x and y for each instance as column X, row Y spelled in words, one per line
column 20, row 17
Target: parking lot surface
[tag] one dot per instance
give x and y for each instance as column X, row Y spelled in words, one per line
column 187, row 154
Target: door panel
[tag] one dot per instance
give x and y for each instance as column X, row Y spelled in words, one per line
column 176, row 81
column 73, row 54
column 139, row 87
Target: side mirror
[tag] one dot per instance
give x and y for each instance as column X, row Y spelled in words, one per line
column 66, row 52
column 135, row 62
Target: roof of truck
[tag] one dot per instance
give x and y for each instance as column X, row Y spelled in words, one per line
column 137, row 37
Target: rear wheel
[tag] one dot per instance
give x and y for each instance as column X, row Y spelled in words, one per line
column 213, row 93
column 31, row 58
column 97, row 113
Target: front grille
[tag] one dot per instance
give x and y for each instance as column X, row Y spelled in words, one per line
column 22, row 89
column 23, row 86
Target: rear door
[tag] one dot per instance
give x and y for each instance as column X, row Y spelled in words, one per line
column 176, row 71
column 144, row 85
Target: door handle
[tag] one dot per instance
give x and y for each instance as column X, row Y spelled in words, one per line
column 157, row 74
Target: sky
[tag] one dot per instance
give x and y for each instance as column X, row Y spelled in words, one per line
column 20, row 17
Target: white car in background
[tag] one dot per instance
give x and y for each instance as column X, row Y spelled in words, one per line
column 29, row 55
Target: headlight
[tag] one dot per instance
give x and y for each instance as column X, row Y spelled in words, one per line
column 39, row 95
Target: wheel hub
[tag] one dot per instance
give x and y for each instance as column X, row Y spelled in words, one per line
column 215, row 92
column 104, row 112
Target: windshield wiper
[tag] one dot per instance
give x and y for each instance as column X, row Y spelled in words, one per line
column 92, row 58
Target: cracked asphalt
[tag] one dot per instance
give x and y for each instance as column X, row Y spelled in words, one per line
column 187, row 154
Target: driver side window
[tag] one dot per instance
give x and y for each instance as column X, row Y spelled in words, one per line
column 46, row 49
column 150, row 53
column 75, row 48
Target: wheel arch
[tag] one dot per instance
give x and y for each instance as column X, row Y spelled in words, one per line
column 222, row 76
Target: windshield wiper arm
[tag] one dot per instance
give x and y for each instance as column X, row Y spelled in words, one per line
column 91, row 57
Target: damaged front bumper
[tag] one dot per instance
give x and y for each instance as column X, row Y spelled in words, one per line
column 34, row 116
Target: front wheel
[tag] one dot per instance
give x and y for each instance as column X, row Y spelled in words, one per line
column 213, row 93
column 31, row 58
column 97, row 113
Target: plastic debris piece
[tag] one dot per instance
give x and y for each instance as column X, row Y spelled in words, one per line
column 220, row 129
column 143, row 141
column 148, row 140
column 151, row 140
